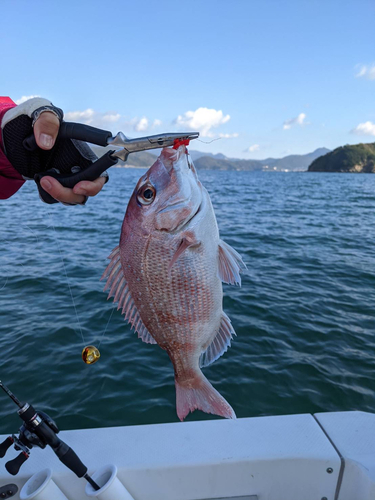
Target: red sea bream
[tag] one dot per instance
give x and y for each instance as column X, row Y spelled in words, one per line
column 166, row 276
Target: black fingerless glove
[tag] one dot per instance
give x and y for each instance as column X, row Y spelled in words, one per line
column 67, row 155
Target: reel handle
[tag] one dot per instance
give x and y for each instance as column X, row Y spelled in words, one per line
column 13, row 466
column 5, row 445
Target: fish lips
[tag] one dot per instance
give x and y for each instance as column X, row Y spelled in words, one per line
column 185, row 200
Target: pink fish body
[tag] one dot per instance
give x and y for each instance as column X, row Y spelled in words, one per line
column 166, row 275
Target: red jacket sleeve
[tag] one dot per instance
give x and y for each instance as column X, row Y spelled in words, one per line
column 10, row 179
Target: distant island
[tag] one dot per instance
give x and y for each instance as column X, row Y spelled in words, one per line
column 209, row 161
column 359, row 158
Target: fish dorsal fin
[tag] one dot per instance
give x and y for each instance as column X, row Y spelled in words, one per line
column 220, row 342
column 230, row 264
column 119, row 290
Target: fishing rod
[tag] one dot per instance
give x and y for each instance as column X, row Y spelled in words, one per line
column 38, row 429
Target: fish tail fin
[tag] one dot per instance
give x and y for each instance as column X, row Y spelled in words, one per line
column 199, row 394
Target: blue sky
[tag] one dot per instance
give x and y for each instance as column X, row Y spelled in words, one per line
column 278, row 77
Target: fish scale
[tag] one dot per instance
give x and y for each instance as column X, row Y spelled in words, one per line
column 188, row 305
column 171, row 262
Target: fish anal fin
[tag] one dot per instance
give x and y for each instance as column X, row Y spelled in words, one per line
column 188, row 240
column 220, row 342
column 230, row 264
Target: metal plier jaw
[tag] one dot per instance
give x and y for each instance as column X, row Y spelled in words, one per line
column 144, row 143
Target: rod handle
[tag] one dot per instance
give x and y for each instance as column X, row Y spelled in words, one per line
column 71, row 460
column 65, row 454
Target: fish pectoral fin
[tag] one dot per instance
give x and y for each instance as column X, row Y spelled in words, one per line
column 219, row 344
column 187, row 241
column 119, row 290
column 230, row 264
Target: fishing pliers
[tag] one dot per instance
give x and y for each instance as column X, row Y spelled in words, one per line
column 81, row 132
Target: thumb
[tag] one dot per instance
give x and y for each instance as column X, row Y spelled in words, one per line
column 46, row 129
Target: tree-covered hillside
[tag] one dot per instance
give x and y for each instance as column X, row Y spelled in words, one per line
column 359, row 158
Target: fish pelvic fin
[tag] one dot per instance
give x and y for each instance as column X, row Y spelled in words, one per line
column 119, row 290
column 220, row 343
column 230, row 264
column 198, row 394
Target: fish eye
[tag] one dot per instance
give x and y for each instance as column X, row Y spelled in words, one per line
column 146, row 194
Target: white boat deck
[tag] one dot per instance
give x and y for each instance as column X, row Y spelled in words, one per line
column 265, row 458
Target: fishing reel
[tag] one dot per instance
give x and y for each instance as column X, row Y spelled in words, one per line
column 38, row 429
column 26, row 440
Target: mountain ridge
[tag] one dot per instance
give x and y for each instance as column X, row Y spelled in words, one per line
column 287, row 163
column 218, row 161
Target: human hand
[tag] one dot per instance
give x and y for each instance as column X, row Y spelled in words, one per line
column 46, row 129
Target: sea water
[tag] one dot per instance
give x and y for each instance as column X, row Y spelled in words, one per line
column 304, row 317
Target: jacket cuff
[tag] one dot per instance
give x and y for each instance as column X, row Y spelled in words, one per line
column 26, row 108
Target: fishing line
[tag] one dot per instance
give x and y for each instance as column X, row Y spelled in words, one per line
column 67, row 279
column 105, row 331
column 209, row 142
column 90, row 353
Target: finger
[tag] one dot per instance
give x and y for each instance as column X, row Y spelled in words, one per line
column 46, row 129
column 89, row 188
column 59, row 192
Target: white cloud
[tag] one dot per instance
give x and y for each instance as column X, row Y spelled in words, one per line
column 87, row 116
column 298, row 120
column 111, row 117
column 367, row 128
column 110, row 120
column 156, row 123
column 25, row 98
column 228, row 136
column 251, row 149
column 141, row 125
column 367, row 72
column 202, row 120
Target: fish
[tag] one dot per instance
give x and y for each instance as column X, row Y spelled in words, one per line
column 166, row 275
